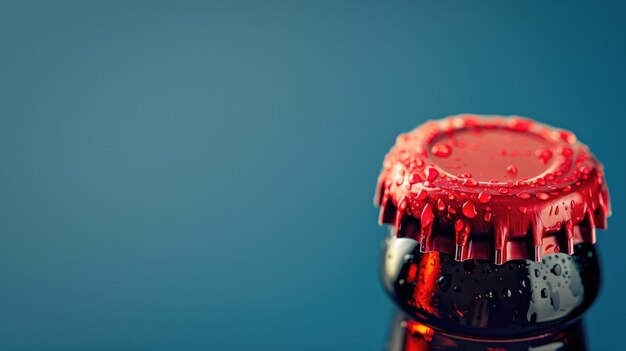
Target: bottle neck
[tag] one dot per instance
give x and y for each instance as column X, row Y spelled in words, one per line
column 409, row 335
column 477, row 298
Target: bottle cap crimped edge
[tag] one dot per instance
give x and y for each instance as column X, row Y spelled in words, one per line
column 492, row 187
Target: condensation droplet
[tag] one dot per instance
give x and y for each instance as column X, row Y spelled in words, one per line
column 543, row 196
column 431, row 174
column 444, row 282
column 506, row 293
column 422, row 194
column 441, row 150
column 441, row 205
column 487, row 216
column 483, row 198
column 414, row 178
column 469, row 210
column 471, row 182
column 544, row 155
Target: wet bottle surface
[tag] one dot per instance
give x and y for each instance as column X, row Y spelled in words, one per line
column 492, row 225
column 517, row 305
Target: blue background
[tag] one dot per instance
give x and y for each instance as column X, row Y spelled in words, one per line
column 200, row 176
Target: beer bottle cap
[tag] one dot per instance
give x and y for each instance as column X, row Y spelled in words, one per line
column 492, row 187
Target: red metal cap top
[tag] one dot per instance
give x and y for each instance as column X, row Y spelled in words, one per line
column 495, row 188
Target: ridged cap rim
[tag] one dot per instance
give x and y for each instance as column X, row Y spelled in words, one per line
column 555, row 206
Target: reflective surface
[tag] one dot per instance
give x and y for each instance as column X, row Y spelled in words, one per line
column 406, row 334
column 479, row 298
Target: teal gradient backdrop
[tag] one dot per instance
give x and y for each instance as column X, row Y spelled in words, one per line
column 200, row 176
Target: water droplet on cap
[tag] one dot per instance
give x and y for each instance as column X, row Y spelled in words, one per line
column 469, row 210
column 441, row 150
column 441, row 205
column 483, row 198
column 471, row 182
column 544, row 155
column 451, row 209
column 487, row 216
column 427, row 216
column 422, row 194
column 567, row 152
column 414, row 178
column 431, row 173
column 543, row 196
column 511, row 169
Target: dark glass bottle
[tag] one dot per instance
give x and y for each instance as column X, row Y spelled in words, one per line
column 467, row 305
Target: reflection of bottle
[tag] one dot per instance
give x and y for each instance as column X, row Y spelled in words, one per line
column 493, row 221
column 406, row 334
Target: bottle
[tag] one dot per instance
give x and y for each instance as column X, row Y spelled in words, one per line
column 491, row 230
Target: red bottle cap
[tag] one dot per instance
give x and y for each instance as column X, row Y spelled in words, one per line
column 492, row 188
